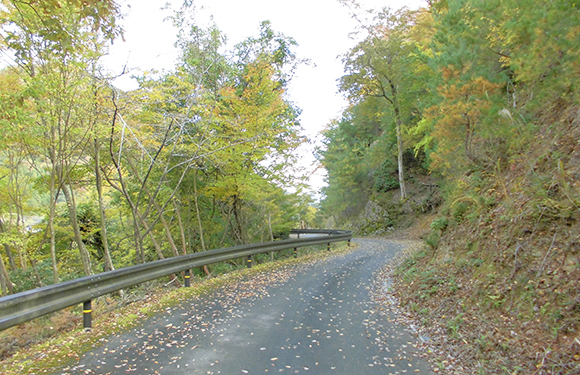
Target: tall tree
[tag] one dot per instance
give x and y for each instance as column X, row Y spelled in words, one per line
column 381, row 66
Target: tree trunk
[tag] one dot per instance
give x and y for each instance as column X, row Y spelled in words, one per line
column 160, row 213
column 140, row 256
column 99, row 182
column 229, row 220
column 51, row 215
column 399, row 125
column 165, row 225
column 197, row 210
column 15, row 192
column 158, row 248
column 271, row 234
column 23, row 262
column 168, row 234
column 181, row 229
column 4, row 276
column 238, row 217
column 9, row 254
column 152, row 237
column 139, row 252
column 123, row 190
column 70, row 202
column 5, row 282
column 36, row 274
column 270, row 226
column 205, row 269
column 400, row 162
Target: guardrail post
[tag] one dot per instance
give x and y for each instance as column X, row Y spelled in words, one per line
column 298, row 234
column 328, row 246
column 187, row 278
column 249, row 261
column 295, row 252
column 87, row 315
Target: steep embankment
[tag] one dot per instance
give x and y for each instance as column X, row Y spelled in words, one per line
column 496, row 287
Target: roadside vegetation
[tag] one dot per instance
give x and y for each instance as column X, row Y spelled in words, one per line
column 93, row 178
column 468, row 111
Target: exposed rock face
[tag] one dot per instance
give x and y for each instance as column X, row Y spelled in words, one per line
column 373, row 212
column 373, row 220
column 330, row 223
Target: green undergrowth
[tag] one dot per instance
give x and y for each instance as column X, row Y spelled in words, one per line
column 71, row 341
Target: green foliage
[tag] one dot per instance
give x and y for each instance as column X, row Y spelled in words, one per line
column 440, row 223
column 26, row 280
column 481, row 92
column 454, row 324
column 56, row 26
column 354, row 156
column 384, row 178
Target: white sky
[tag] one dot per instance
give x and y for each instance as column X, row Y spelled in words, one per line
column 320, row 27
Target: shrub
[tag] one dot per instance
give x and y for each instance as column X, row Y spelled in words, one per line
column 440, row 223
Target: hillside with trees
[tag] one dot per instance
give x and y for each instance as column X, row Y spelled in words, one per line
column 93, row 178
column 469, row 109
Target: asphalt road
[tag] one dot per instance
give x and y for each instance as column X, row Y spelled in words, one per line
column 321, row 319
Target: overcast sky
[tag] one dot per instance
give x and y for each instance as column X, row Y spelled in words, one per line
column 322, row 29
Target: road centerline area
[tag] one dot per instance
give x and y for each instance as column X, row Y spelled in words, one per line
column 320, row 320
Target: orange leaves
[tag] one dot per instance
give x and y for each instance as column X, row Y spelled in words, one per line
column 458, row 119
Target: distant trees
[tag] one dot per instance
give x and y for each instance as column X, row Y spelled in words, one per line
column 354, row 147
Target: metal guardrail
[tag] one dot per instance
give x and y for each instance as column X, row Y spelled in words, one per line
column 22, row 307
column 330, row 232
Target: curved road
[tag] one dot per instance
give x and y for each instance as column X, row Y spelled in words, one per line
column 321, row 320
